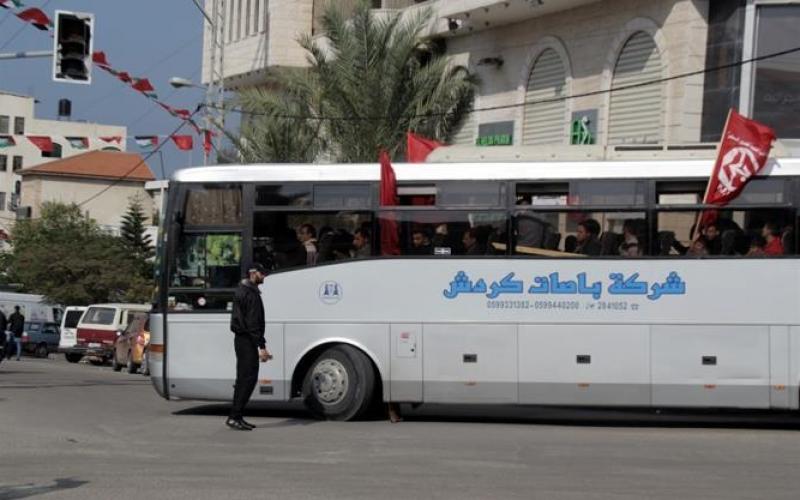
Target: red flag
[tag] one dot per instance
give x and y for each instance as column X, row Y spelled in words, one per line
column 143, row 85
column 36, row 17
column 124, row 76
column 743, row 152
column 183, row 142
column 42, row 142
column 207, row 138
column 390, row 239
column 112, row 138
column 419, row 147
column 99, row 58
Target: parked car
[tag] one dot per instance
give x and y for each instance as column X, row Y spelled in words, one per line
column 69, row 333
column 99, row 327
column 40, row 338
column 131, row 345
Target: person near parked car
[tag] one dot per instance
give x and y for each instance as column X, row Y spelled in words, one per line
column 16, row 325
column 248, row 325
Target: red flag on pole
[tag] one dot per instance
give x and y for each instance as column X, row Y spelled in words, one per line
column 43, row 142
column 36, row 17
column 419, row 147
column 183, row 142
column 743, row 152
column 390, row 239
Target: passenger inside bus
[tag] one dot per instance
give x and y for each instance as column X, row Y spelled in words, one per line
column 361, row 244
column 587, row 238
column 472, row 246
column 420, row 243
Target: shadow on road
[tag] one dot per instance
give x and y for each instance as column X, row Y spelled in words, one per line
column 293, row 413
column 86, row 383
column 605, row 417
column 28, row 490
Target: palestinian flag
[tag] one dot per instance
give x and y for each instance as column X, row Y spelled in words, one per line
column 112, row 138
column 6, row 141
column 37, row 18
column 78, row 142
column 146, row 141
column 43, row 142
column 7, row 4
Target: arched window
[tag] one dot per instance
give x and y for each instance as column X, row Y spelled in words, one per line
column 544, row 122
column 636, row 115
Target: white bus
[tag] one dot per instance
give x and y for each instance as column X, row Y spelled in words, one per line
column 485, row 296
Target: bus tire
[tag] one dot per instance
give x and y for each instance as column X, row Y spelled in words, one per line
column 339, row 384
column 73, row 358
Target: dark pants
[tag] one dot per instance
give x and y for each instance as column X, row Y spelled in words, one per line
column 246, row 373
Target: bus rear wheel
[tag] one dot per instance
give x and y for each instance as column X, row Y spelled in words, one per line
column 340, row 384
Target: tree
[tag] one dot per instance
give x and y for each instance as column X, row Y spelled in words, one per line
column 132, row 230
column 65, row 256
column 375, row 79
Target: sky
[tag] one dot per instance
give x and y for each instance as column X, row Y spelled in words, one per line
column 156, row 39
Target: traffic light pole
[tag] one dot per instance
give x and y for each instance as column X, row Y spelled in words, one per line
column 26, row 55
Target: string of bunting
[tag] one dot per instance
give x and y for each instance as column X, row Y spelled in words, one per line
column 37, row 18
column 46, row 143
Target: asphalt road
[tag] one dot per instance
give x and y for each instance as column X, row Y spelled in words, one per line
column 85, row 432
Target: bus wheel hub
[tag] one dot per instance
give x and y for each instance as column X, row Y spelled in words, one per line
column 330, row 381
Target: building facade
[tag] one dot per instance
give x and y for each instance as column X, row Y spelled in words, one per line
column 17, row 122
column 103, row 182
column 614, row 73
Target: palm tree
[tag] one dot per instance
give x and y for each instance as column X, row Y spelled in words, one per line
column 373, row 79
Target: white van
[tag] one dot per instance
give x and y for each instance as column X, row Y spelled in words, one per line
column 69, row 333
column 100, row 325
column 33, row 307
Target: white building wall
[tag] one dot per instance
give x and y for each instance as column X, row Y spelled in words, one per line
column 21, row 106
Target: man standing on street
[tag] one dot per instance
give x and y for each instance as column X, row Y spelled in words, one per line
column 248, row 325
column 16, row 324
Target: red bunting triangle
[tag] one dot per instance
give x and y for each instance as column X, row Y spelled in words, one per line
column 183, row 142
column 99, row 58
column 36, row 17
column 142, row 85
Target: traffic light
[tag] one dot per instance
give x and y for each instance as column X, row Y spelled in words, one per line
column 72, row 51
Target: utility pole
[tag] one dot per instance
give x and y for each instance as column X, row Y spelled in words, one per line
column 215, row 90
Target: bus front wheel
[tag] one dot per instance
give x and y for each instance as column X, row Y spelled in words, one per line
column 339, row 384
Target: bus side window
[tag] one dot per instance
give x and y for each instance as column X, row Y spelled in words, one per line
column 552, row 233
column 445, row 233
column 285, row 240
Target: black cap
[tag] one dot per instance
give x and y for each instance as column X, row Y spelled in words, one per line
column 256, row 267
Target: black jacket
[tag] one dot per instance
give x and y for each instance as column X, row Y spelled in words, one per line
column 16, row 323
column 248, row 313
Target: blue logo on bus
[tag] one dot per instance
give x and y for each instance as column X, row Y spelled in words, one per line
column 330, row 292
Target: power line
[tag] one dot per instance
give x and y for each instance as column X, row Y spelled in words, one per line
column 140, row 163
column 527, row 103
column 21, row 28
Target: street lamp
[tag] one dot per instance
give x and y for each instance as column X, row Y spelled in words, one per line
column 178, row 83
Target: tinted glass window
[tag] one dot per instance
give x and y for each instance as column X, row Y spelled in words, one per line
column 208, row 260
column 214, row 207
column 444, row 233
column 469, row 193
column 72, row 318
column 776, row 99
column 578, row 233
column 291, row 195
column 742, row 232
column 295, row 239
column 342, row 196
column 33, row 327
column 100, row 316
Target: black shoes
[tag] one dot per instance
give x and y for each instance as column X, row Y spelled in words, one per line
column 238, row 425
column 248, row 424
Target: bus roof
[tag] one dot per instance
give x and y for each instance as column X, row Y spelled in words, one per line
column 416, row 172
